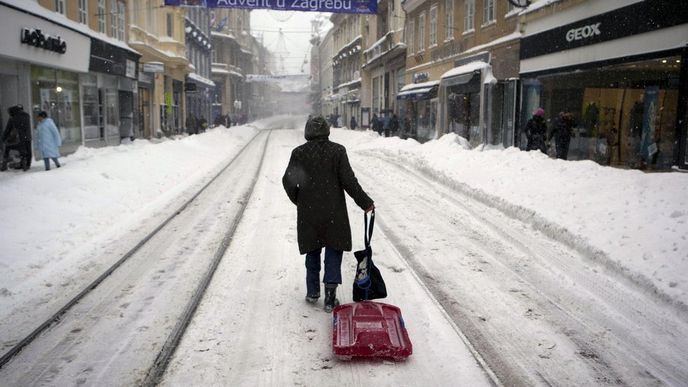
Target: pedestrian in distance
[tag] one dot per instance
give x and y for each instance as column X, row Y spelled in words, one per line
column 536, row 130
column 376, row 124
column 191, row 124
column 315, row 180
column 352, row 123
column 562, row 132
column 48, row 140
column 202, row 124
column 17, row 136
column 394, row 125
column 385, row 123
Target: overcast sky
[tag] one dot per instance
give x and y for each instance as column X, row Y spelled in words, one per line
column 294, row 47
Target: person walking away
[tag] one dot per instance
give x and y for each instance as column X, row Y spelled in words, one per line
column 352, row 123
column 394, row 125
column 191, row 124
column 385, row 124
column 375, row 124
column 536, row 130
column 315, row 180
column 203, row 124
column 562, row 132
column 17, row 135
column 48, row 140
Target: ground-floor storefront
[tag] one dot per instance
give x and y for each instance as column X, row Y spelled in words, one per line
column 418, row 110
column 40, row 76
column 625, row 114
column 198, row 91
column 626, row 91
column 85, row 84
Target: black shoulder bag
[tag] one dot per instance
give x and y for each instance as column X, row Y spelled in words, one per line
column 368, row 283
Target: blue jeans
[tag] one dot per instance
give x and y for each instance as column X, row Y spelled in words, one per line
column 333, row 269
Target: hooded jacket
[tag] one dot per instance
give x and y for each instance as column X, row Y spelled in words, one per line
column 316, row 178
column 48, row 138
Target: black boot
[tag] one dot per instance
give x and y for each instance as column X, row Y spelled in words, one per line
column 312, row 298
column 330, row 297
column 3, row 165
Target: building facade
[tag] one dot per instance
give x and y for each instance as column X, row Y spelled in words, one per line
column 198, row 88
column 347, row 40
column 325, row 82
column 231, row 53
column 384, row 61
column 461, row 69
column 157, row 33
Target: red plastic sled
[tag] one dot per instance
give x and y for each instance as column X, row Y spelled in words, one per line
column 370, row 329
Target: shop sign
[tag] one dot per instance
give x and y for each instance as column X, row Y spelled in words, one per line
column 130, row 70
column 420, row 77
column 583, row 32
column 36, row 38
column 638, row 18
column 154, row 67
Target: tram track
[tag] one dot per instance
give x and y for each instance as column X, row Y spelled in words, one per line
column 76, row 305
column 535, row 310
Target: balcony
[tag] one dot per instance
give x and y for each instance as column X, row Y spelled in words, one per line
column 388, row 45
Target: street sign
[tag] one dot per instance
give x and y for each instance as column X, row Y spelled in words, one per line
column 336, row 6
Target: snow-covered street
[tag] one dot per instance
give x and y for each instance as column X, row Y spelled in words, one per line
column 505, row 265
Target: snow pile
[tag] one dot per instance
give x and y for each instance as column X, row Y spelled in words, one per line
column 50, row 218
column 632, row 223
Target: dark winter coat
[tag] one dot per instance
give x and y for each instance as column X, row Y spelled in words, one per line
column 562, row 131
column 315, row 180
column 394, row 124
column 18, row 128
column 536, row 130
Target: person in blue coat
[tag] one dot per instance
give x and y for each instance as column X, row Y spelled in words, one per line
column 48, row 140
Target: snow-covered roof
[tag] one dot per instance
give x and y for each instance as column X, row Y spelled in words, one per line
column 465, row 69
column 34, row 8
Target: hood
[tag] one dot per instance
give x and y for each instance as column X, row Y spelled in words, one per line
column 14, row 110
column 316, row 127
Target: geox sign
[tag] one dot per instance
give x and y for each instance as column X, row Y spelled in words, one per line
column 36, row 38
column 583, row 32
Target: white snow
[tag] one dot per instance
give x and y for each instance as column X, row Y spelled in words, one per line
column 632, row 222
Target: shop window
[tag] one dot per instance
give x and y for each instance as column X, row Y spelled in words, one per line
column 57, row 93
column 624, row 114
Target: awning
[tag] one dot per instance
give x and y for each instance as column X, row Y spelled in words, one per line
column 418, row 93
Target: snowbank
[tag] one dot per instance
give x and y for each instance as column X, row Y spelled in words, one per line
column 634, row 224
